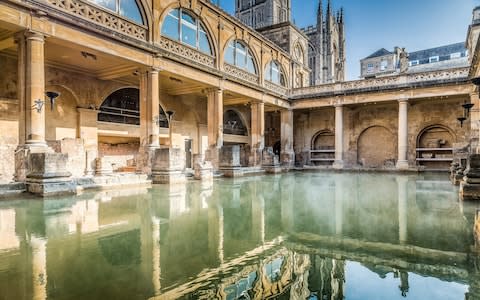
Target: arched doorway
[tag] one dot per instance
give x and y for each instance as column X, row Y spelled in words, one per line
column 322, row 152
column 435, row 147
column 376, row 148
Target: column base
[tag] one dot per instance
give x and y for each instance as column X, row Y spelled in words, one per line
column 338, row 165
column 170, row 177
column 287, row 159
column 470, row 190
column 402, row 165
column 232, row 172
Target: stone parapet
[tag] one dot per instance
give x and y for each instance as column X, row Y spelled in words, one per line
column 168, row 166
column 230, row 161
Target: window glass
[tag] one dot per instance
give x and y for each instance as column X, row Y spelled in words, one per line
column 129, row 9
column 274, row 73
column 109, row 4
column 203, row 43
column 230, row 54
column 170, row 25
column 239, row 55
column 250, row 65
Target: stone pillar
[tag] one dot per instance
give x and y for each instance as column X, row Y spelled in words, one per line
column 168, row 166
column 402, row 192
column 338, row 164
column 402, row 162
column 287, row 155
column 35, row 90
column 153, row 108
column 87, row 127
column 257, row 132
column 215, row 125
column 470, row 186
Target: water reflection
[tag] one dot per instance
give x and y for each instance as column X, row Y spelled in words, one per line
column 295, row 236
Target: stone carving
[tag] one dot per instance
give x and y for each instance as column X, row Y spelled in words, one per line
column 186, row 52
column 240, row 74
column 383, row 82
column 403, row 60
column 99, row 16
column 275, row 88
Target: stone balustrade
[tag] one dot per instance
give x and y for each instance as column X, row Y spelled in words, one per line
column 382, row 83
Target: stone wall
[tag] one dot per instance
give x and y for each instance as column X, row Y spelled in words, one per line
column 121, row 155
column 8, row 138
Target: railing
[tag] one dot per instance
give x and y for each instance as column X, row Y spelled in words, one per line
column 99, row 16
column 383, row 82
column 275, row 88
column 240, row 74
column 183, row 51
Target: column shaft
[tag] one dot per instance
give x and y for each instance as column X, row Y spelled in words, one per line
column 153, row 108
column 215, row 118
column 287, row 153
column 35, row 89
column 338, row 164
column 257, row 132
column 402, row 162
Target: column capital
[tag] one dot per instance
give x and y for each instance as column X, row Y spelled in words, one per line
column 338, row 105
column 212, row 90
column 35, row 36
column 403, row 100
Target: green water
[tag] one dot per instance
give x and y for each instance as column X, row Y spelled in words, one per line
column 294, row 236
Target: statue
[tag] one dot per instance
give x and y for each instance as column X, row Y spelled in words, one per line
column 403, row 60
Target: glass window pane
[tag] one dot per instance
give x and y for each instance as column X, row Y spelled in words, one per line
column 203, row 43
column 170, row 26
column 251, row 65
column 240, row 58
column 109, row 4
column 229, row 54
column 187, row 18
column 130, row 10
column 268, row 72
column 189, row 35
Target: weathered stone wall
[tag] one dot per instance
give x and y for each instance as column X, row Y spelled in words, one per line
column 8, row 138
column 121, row 155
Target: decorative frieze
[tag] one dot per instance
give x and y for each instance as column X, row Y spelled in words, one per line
column 186, row 52
column 102, row 17
column 384, row 82
column 241, row 74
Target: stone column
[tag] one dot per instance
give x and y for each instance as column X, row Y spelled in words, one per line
column 87, row 127
column 35, row 90
column 287, row 154
column 402, row 163
column 215, row 124
column 153, row 108
column 338, row 164
column 402, row 191
column 257, row 132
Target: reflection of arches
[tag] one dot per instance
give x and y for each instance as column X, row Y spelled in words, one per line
column 123, row 107
column 233, row 123
column 323, row 140
column 376, row 147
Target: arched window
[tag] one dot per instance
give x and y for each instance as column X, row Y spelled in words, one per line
column 123, row 107
column 232, row 124
column 183, row 26
column 240, row 55
column 274, row 73
column 129, row 9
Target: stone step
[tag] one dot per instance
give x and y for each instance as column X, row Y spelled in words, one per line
column 11, row 189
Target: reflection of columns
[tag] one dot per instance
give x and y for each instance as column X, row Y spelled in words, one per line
column 39, row 267
column 257, row 131
column 287, row 154
column 215, row 232
column 156, row 274
column 258, row 218
column 338, row 164
column 87, row 127
column 402, row 162
column 287, row 196
column 338, row 206
column 153, row 108
column 404, row 286
column 402, row 190
column 35, row 89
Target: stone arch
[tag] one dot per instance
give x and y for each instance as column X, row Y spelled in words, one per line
column 234, row 123
column 376, row 147
column 436, row 132
column 299, row 46
column 323, row 140
column 61, row 120
column 203, row 21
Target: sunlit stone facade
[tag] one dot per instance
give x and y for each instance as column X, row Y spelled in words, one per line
column 184, row 74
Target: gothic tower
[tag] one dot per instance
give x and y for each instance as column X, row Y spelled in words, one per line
column 263, row 13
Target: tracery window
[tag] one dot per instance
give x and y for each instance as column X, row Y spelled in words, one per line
column 183, row 26
column 240, row 55
column 123, row 107
column 274, row 73
column 129, row 9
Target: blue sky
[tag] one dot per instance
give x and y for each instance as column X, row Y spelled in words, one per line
column 375, row 24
